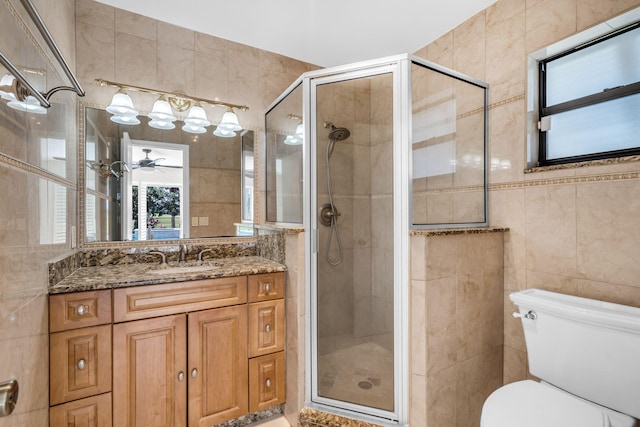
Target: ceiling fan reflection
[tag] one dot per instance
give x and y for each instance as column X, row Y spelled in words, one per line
column 151, row 164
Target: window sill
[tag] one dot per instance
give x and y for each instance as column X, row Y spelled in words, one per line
column 577, row 165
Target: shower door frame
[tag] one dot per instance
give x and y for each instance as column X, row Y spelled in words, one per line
column 398, row 67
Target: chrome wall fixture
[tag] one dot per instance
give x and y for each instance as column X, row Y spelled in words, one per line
column 161, row 115
column 16, row 88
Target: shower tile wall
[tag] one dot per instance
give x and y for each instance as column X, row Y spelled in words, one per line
column 357, row 296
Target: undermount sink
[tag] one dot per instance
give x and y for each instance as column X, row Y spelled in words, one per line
column 183, row 269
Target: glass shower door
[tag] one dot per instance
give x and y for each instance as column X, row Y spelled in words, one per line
column 354, row 261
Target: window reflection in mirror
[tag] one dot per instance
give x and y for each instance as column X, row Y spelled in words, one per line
column 199, row 177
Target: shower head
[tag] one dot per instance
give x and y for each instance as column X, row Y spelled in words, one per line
column 337, row 134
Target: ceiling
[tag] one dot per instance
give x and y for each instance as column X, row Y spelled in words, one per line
column 321, row 32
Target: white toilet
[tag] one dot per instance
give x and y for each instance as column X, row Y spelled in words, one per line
column 587, row 354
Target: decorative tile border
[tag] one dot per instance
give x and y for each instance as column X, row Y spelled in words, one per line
column 622, row 176
column 26, row 167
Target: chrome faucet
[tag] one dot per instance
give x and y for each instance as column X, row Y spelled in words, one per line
column 162, row 254
column 202, row 252
column 182, row 255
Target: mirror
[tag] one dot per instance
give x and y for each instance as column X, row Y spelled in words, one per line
column 141, row 183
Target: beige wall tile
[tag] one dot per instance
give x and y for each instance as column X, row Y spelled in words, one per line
column 492, row 302
column 136, row 60
column 551, row 229
column 503, row 10
column 506, row 61
column 507, row 129
column 470, row 30
column 549, row 21
column 441, row 398
column 441, row 324
column 591, row 12
column 176, row 36
column 176, row 69
column 513, row 333
column 136, row 25
column 469, row 391
column 95, row 13
column 469, row 306
column 418, row 343
column 418, row 401
column 515, row 365
column 95, row 50
column 607, row 246
column 619, row 294
column 441, row 50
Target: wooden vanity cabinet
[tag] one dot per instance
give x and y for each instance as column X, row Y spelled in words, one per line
column 194, row 353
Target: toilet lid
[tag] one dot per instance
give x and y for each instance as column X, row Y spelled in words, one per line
column 532, row 404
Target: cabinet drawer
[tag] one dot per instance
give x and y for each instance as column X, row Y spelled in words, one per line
column 263, row 287
column 93, row 411
column 79, row 310
column 266, row 327
column 159, row 300
column 80, row 363
column 266, row 381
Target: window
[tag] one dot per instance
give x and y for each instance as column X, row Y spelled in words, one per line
column 589, row 100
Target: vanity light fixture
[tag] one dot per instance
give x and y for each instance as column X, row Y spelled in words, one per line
column 9, row 86
column 162, row 116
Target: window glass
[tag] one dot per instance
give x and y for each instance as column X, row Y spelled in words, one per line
column 608, row 64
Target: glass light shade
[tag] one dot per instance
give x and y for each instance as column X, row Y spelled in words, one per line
column 125, row 120
column 197, row 117
column 224, row 133
column 29, row 105
column 193, row 128
column 7, row 80
column 230, row 122
column 162, row 112
column 293, row 140
column 300, row 131
column 162, row 124
column 122, row 105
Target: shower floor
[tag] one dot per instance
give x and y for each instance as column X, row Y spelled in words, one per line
column 358, row 371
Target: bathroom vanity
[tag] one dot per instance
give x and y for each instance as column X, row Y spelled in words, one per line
column 133, row 347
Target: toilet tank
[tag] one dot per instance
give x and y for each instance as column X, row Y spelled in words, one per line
column 587, row 347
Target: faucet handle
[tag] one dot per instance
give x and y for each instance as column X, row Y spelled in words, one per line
column 162, row 254
column 202, row 252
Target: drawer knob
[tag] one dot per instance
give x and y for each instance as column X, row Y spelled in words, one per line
column 267, row 287
column 194, row 373
column 268, row 382
column 82, row 364
column 80, row 310
column 267, row 328
column 181, row 376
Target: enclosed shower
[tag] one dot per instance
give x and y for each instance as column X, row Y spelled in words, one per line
column 351, row 171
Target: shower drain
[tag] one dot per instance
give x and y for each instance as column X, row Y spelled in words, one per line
column 365, row 385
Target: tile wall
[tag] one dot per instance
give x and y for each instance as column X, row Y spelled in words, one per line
column 456, row 326
column 38, row 194
column 571, row 230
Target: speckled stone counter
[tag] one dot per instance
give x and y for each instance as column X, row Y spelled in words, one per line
column 312, row 418
column 118, row 276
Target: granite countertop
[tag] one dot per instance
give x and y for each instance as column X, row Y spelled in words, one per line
column 119, row 276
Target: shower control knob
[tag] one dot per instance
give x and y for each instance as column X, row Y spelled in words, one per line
column 81, row 364
column 531, row 315
column 81, row 310
column 268, row 382
column 267, row 328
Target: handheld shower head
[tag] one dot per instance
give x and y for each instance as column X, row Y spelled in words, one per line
column 336, row 133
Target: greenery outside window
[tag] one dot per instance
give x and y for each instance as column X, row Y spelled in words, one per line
column 589, row 100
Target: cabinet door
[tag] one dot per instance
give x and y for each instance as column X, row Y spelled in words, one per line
column 149, row 372
column 80, row 362
column 218, row 374
column 266, row 383
column 92, row 411
column 266, row 327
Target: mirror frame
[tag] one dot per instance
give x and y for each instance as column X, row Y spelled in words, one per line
column 81, row 231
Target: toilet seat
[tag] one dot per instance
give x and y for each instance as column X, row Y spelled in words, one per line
column 533, row 404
